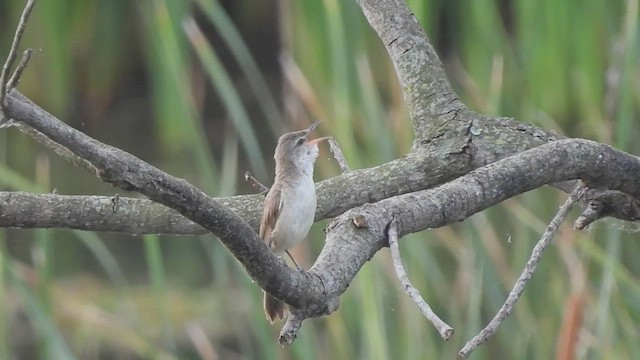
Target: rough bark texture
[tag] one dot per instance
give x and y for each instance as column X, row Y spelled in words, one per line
column 461, row 163
column 430, row 98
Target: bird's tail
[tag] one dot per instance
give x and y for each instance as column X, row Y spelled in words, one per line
column 273, row 308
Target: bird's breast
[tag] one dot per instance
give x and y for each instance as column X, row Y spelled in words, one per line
column 296, row 216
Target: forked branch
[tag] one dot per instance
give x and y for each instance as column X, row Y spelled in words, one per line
column 13, row 50
column 524, row 278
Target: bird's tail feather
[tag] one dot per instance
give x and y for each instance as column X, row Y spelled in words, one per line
column 273, row 308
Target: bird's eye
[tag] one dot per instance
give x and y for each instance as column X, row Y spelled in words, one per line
column 300, row 141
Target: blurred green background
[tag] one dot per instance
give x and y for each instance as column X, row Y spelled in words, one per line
column 203, row 88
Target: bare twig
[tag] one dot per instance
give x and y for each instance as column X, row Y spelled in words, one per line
column 593, row 212
column 290, row 329
column 54, row 146
column 527, row 272
column 443, row 328
column 248, row 177
column 338, row 155
column 12, row 51
column 15, row 78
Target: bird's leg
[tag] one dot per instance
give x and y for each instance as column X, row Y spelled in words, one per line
column 294, row 261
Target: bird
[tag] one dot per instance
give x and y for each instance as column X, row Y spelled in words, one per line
column 290, row 205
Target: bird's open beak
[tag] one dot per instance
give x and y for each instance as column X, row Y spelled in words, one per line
column 315, row 141
column 310, row 129
column 313, row 126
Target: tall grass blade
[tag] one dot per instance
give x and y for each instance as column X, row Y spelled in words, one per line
column 57, row 348
column 230, row 97
column 229, row 33
column 155, row 264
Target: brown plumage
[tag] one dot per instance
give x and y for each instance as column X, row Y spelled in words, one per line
column 290, row 205
column 273, row 308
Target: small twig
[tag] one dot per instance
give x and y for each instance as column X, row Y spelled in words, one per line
column 53, row 146
column 594, row 211
column 527, row 272
column 443, row 328
column 12, row 51
column 15, row 78
column 290, row 329
column 338, row 155
column 255, row 183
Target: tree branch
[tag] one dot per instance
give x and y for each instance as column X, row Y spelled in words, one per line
column 443, row 328
column 15, row 78
column 430, row 98
column 248, row 177
column 56, row 148
column 338, row 155
column 12, row 52
column 99, row 213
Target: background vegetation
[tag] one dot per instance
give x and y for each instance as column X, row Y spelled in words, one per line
column 203, row 88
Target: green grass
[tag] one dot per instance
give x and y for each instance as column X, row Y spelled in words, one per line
column 202, row 107
column 157, row 277
column 4, row 316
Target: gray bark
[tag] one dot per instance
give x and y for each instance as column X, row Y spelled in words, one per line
column 461, row 163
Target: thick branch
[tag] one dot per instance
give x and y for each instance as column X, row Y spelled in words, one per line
column 430, row 98
column 104, row 213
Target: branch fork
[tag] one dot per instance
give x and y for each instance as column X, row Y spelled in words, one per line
column 7, row 84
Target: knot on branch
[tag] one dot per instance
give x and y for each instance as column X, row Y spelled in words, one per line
column 359, row 221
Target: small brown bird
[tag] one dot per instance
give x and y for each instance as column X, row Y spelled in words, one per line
column 290, row 205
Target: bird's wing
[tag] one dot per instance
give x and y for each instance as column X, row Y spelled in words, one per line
column 272, row 205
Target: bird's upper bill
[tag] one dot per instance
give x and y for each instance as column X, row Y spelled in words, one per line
column 314, row 125
column 310, row 129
